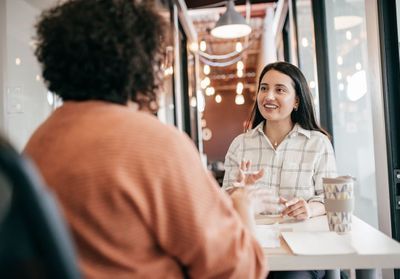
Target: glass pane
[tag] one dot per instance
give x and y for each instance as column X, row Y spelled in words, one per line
column 166, row 112
column 306, row 46
column 351, row 100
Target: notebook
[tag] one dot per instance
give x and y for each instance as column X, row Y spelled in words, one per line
column 268, row 236
column 318, row 243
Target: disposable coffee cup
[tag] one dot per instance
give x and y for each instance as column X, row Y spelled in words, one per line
column 339, row 202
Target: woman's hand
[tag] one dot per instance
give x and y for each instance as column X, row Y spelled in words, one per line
column 248, row 178
column 241, row 203
column 297, row 208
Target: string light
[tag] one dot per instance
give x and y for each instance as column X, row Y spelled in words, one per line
column 203, row 46
column 205, row 82
column 239, row 47
column 218, row 98
column 239, row 99
column 194, row 47
column 210, row 91
column 239, row 88
column 206, row 69
column 240, row 65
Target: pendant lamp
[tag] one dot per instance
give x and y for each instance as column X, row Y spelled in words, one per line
column 231, row 24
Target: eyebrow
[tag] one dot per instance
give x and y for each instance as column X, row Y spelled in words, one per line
column 278, row 84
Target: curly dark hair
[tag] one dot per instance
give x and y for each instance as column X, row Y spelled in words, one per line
column 100, row 49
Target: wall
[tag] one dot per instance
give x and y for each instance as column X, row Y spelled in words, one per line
column 2, row 58
column 23, row 95
column 225, row 120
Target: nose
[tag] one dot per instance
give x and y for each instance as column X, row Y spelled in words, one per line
column 269, row 95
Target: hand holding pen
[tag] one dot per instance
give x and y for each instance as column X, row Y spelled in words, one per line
column 297, row 208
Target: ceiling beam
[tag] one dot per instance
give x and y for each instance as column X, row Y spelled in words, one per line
column 195, row 4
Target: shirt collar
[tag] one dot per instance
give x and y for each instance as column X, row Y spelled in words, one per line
column 259, row 128
column 297, row 129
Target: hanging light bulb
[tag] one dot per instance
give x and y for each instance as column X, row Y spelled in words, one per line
column 218, row 98
column 231, row 24
column 239, row 99
column 239, row 47
column 207, row 81
column 206, row 69
column 203, row 84
column 240, row 65
column 210, row 91
column 194, row 47
column 203, row 45
column 239, row 88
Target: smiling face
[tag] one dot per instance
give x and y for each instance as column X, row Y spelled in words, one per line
column 276, row 97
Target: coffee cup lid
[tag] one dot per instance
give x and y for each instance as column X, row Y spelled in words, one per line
column 339, row 179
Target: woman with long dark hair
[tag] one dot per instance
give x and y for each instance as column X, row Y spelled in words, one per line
column 284, row 140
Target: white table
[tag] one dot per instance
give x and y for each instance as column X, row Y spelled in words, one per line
column 373, row 249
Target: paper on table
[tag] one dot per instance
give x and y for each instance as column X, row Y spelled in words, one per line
column 268, row 235
column 318, row 243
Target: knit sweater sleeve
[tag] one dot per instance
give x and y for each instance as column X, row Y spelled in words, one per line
column 193, row 220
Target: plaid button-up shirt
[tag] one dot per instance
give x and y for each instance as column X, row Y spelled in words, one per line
column 294, row 169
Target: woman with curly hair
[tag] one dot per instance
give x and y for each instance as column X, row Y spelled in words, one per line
column 134, row 207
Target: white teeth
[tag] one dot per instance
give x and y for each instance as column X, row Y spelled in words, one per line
column 270, row 106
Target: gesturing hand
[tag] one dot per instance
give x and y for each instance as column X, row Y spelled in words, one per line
column 297, row 208
column 245, row 177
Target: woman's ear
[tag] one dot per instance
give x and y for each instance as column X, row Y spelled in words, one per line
column 296, row 103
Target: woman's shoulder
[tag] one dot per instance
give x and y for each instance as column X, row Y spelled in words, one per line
column 322, row 139
column 237, row 140
column 318, row 135
column 247, row 135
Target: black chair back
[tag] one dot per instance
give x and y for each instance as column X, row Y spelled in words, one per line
column 34, row 239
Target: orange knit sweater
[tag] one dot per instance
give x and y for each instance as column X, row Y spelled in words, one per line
column 137, row 199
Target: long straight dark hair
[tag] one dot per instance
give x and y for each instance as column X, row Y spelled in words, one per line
column 305, row 114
